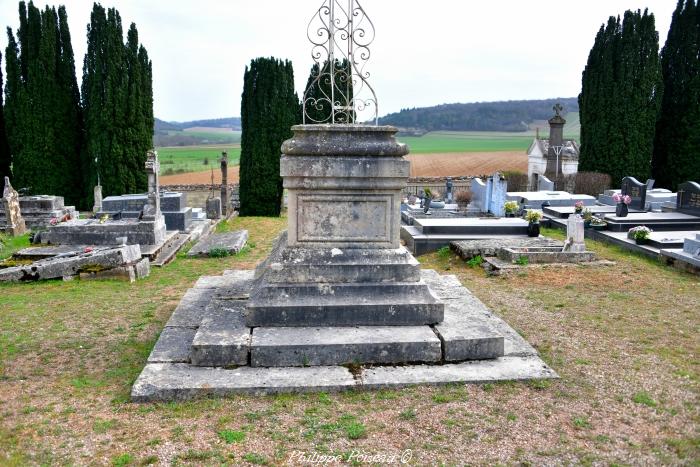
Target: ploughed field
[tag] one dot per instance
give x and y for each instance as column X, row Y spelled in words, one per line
column 433, row 154
column 623, row 339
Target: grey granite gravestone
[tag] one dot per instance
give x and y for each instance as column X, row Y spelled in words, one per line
column 636, row 190
column 688, row 198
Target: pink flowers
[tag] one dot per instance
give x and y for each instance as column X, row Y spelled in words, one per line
column 578, row 205
column 619, row 198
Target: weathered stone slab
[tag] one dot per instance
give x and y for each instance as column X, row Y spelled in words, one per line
column 98, row 259
column 466, row 333
column 129, row 272
column 453, row 295
column 222, row 338
column 173, row 346
column 228, row 280
column 232, row 242
column 178, row 381
column 190, row 310
column 468, row 249
column 480, row 371
column 275, row 347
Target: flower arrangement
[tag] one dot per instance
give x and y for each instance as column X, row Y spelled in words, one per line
column 598, row 221
column 587, row 214
column 578, row 206
column 639, row 233
column 619, row 198
column 533, row 216
column 511, row 207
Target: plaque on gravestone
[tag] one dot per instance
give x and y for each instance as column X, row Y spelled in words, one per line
column 636, row 190
column 688, row 198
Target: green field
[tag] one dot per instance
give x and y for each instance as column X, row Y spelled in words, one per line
column 195, row 158
column 183, row 159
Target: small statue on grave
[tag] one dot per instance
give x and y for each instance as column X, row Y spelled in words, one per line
column 448, row 190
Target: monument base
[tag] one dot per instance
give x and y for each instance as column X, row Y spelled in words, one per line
column 206, row 348
column 94, row 232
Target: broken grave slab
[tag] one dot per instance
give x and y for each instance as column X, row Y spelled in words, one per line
column 230, row 242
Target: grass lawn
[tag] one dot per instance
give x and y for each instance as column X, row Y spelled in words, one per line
column 624, row 341
column 192, row 158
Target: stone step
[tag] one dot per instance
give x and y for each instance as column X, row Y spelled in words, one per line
column 299, row 265
column 319, row 346
column 360, row 304
column 222, row 338
column 170, row 249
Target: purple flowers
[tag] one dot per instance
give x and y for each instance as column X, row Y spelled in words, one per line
column 619, row 198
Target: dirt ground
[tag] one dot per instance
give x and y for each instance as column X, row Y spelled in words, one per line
column 466, row 163
column 199, row 178
column 422, row 165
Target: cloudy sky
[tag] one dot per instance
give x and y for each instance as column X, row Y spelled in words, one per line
column 425, row 52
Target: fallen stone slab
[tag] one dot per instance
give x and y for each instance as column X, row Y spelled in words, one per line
column 279, row 347
column 468, row 249
column 480, row 371
column 130, row 272
column 179, row 381
column 229, row 242
column 71, row 264
column 222, row 339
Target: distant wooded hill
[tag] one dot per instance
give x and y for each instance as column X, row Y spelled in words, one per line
column 232, row 122
column 479, row 116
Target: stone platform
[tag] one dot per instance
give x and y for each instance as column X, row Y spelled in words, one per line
column 206, row 348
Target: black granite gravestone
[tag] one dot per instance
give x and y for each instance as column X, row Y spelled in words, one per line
column 636, row 190
column 688, row 198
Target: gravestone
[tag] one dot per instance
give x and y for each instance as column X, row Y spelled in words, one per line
column 97, row 205
column 497, row 197
column 213, row 208
column 224, row 183
column 636, row 190
column 688, row 198
column 478, row 188
column 544, row 184
column 14, row 223
column 575, row 234
column 151, row 210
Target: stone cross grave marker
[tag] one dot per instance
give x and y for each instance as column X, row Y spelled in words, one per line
column 224, row 183
column 13, row 216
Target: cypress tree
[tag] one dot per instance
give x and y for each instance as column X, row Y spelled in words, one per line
column 620, row 98
column 5, row 156
column 677, row 144
column 269, row 107
column 117, row 93
column 317, row 104
column 43, row 117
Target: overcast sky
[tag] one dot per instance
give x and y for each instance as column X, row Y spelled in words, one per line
column 425, row 52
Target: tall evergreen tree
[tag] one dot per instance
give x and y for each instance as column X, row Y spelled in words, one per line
column 43, row 115
column 677, row 144
column 269, row 107
column 117, row 93
column 5, row 156
column 620, row 98
column 318, row 96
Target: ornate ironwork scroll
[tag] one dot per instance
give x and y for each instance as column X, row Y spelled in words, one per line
column 338, row 90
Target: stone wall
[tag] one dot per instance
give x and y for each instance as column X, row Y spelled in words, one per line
column 416, row 185
column 197, row 194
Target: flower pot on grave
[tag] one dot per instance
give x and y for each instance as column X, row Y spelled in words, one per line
column 533, row 229
column 640, row 241
column 587, row 224
column 621, row 210
column 578, row 210
column 600, row 226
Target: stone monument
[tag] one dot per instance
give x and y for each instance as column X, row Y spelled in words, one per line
column 556, row 141
column 574, row 234
column 97, row 205
column 151, row 210
column 13, row 216
column 449, row 195
column 224, row 183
